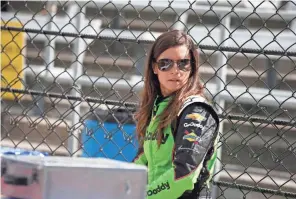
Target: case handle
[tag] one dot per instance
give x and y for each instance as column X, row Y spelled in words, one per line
column 18, row 181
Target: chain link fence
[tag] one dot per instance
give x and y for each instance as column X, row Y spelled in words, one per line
column 71, row 74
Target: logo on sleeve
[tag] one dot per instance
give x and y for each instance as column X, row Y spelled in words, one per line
column 153, row 137
column 195, row 116
column 194, row 125
column 159, row 188
column 191, row 137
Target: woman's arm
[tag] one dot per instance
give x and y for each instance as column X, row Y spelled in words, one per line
column 140, row 157
column 196, row 132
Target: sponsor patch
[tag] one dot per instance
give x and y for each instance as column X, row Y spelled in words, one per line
column 191, row 137
column 197, row 125
column 195, row 116
column 153, row 137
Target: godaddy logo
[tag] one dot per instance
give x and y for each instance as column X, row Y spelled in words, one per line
column 153, row 136
column 158, row 189
column 194, row 125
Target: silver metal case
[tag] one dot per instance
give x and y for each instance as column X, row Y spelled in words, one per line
column 52, row 177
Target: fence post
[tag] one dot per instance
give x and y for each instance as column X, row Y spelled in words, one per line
column 77, row 68
column 221, row 81
column 49, row 55
column 290, row 5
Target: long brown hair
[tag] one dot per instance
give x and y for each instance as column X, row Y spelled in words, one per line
column 152, row 87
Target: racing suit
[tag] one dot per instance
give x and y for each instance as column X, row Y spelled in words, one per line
column 185, row 159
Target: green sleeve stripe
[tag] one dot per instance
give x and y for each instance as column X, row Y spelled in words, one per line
column 211, row 162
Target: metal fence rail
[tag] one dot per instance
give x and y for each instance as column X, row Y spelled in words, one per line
column 71, row 73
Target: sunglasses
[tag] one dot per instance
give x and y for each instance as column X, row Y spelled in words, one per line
column 167, row 64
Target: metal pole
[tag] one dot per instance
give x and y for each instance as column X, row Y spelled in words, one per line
column 271, row 74
column 221, row 81
column 49, row 55
column 77, row 68
column 291, row 7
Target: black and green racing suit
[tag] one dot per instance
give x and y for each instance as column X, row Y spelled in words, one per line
column 187, row 154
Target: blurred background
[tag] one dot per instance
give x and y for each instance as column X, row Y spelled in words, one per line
column 72, row 73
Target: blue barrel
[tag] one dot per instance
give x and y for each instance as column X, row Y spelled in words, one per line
column 109, row 139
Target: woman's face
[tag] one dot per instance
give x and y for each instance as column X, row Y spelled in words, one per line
column 170, row 76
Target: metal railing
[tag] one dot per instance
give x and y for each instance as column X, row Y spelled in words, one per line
column 71, row 73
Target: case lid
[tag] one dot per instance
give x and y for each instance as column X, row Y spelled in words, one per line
column 78, row 162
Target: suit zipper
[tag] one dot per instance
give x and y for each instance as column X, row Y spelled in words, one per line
column 151, row 153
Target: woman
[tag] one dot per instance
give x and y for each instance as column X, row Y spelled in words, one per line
column 176, row 126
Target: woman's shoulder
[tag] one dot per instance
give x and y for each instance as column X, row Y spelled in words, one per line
column 199, row 101
column 194, row 100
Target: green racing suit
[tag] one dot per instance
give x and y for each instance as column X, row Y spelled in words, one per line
column 185, row 159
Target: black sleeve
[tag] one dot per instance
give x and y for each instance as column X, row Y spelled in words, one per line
column 197, row 128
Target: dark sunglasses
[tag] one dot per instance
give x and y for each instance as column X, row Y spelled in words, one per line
column 167, row 64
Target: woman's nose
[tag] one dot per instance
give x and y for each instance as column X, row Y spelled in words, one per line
column 175, row 68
